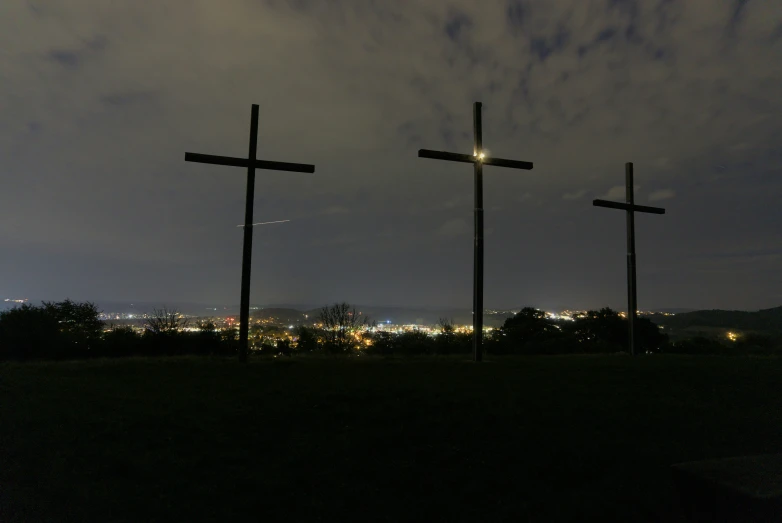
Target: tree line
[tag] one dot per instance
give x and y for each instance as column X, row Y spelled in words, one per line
column 73, row 330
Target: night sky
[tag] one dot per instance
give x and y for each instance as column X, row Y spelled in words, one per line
column 99, row 101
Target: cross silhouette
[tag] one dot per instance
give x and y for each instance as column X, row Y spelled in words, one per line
column 478, row 159
column 251, row 163
column 631, row 208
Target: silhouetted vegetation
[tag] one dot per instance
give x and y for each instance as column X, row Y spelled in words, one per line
column 342, row 327
column 71, row 330
column 602, row 331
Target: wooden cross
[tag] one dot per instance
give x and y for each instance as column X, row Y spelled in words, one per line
column 631, row 208
column 251, row 163
column 478, row 159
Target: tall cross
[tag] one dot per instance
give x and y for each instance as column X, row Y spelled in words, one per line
column 251, row 163
column 478, row 159
column 631, row 208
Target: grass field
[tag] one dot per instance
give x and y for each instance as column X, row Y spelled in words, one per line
column 515, row 439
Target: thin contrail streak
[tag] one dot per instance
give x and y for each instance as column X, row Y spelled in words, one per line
column 265, row 223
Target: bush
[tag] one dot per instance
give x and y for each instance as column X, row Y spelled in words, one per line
column 29, row 332
column 699, row 346
column 759, row 344
column 455, row 343
column 381, row 344
column 54, row 330
column 306, row 339
column 122, row 341
column 414, row 343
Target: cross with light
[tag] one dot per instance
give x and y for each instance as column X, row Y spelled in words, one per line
column 479, row 158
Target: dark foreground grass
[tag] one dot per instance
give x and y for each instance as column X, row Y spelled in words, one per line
column 516, row 439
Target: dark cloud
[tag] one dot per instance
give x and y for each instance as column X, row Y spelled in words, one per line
column 65, row 58
column 99, row 106
column 456, row 25
column 131, row 98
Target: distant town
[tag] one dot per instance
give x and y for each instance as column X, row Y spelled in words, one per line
column 278, row 323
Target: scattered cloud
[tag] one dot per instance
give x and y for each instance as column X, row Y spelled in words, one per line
column 336, row 209
column 340, row 240
column 65, row 58
column 452, row 228
column 450, row 204
column 618, row 192
column 577, row 195
column 576, row 86
column 662, row 194
column 127, row 98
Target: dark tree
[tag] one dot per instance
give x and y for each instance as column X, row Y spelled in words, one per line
column 446, row 326
column 207, row 339
column 283, row 348
column 382, row 343
column 600, row 331
column 164, row 321
column 229, row 340
column 649, row 338
column 122, row 341
column 163, row 334
column 29, row 332
column 306, row 339
column 79, row 324
column 414, row 343
column 525, row 332
column 606, row 331
column 342, row 327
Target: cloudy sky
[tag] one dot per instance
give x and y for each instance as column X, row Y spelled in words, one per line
column 99, row 101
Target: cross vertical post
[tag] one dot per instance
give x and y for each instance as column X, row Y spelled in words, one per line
column 251, row 163
column 478, row 159
column 632, row 296
column 477, row 304
column 630, row 208
column 247, row 244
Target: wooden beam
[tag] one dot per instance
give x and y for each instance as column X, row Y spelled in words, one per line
column 244, row 162
column 628, row 207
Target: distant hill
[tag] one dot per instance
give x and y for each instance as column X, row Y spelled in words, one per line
column 675, row 310
column 766, row 320
column 281, row 315
column 423, row 316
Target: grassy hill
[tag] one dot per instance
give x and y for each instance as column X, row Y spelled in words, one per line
column 432, row 439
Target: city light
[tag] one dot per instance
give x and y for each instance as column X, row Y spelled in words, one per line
column 271, row 329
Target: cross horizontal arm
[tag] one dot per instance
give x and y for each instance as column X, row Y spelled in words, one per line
column 628, row 207
column 441, row 155
column 244, row 162
column 468, row 158
column 513, row 164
